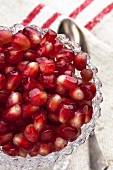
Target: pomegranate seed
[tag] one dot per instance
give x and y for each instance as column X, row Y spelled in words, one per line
column 47, row 134
column 28, row 110
column 65, row 113
column 47, row 66
column 53, row 117
column 67, row 81
column 2, row 61
column 66, row 53
column 78, row 119
column 5, row 36
column 62, row 91
column 54, row 102
column 80, row 61
column 22, row 153
column 57, row 46
column 2, row 81
column 20, row 141
column 89, row 90
column 71, row 67
column 5, row 138
column 61, row 64
column 49, row 36
column 10, row 149
column 44, row 149
column 13, row 113
column 21, row 65
column 60, row 143
column 30, row 55
column 37, row 97
column 33, row 35
column 76, row 94
column 20, row 41
column 87, row 74
column 31, row 70
column 67, row 132
column 14, row 98
column 8, row 69
column 30, row 84
column 39, row 120
column 88, row 110
column 45, row 49
column 34, row 151
column 38, row 60
column 68, row 72
column 1, row 50
column 48, row 81
column 13, row 80
column 14, row 56
column 4, row 95
column 3, row 127
column 31, row 133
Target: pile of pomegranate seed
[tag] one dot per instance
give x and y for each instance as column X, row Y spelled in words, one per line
column 43, row 102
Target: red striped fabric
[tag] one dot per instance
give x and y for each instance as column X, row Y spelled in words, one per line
column 99, row 17
column 80, row 8
column 32, row 14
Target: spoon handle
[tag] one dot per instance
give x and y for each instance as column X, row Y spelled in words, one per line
column 96, row 158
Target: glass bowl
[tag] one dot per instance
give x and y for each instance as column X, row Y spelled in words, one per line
column 56, row 160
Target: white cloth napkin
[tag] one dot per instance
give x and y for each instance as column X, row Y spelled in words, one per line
column 95, row 18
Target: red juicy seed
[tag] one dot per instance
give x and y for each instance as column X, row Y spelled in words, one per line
column 2, row 61
column 28, row 110
column 5, row 138
column 13, row 113
column 3, row 127
column 61, row 64
column 29, row 84
column 8, row 69
column 60, row 143
column 71, row 67
column 80, row 61
column 5, row 37
column 87, row 74
column 76, row 94
column 4, row 95
column 33, row 35
column 49, row 36
column 22, row 153
column 44, row 149
column 78, row 119
column 57, row 46
column 89, row 90
column 66, row 53
column 39, row 120
column 1, row 50
column 38, row 60
column 47, row 66
column 30, row 55
column 62, row 91
column 10, row 149
column 67, row 132
column 45, row 49
column 48, row 81
column 21, row 65
column 65, row 113
column 31, row 133
column 13, row 80
column 54, row 102
column 37, row 97
column 14, row 56
column 20, row 41
column 31, row 70
column 2, row 81
column 47, row 134
column 53, row 117
column 68, row 72
column 14, row 98
column 67, row 81
column 34, row 151
column 20, row 141
column 88, row 110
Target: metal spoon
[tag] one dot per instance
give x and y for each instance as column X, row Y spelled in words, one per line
column 73, row 32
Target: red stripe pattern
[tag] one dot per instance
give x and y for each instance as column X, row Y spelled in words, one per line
column 99, row 17
column 32, row 14
column 51, row 20
column 80, row 8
